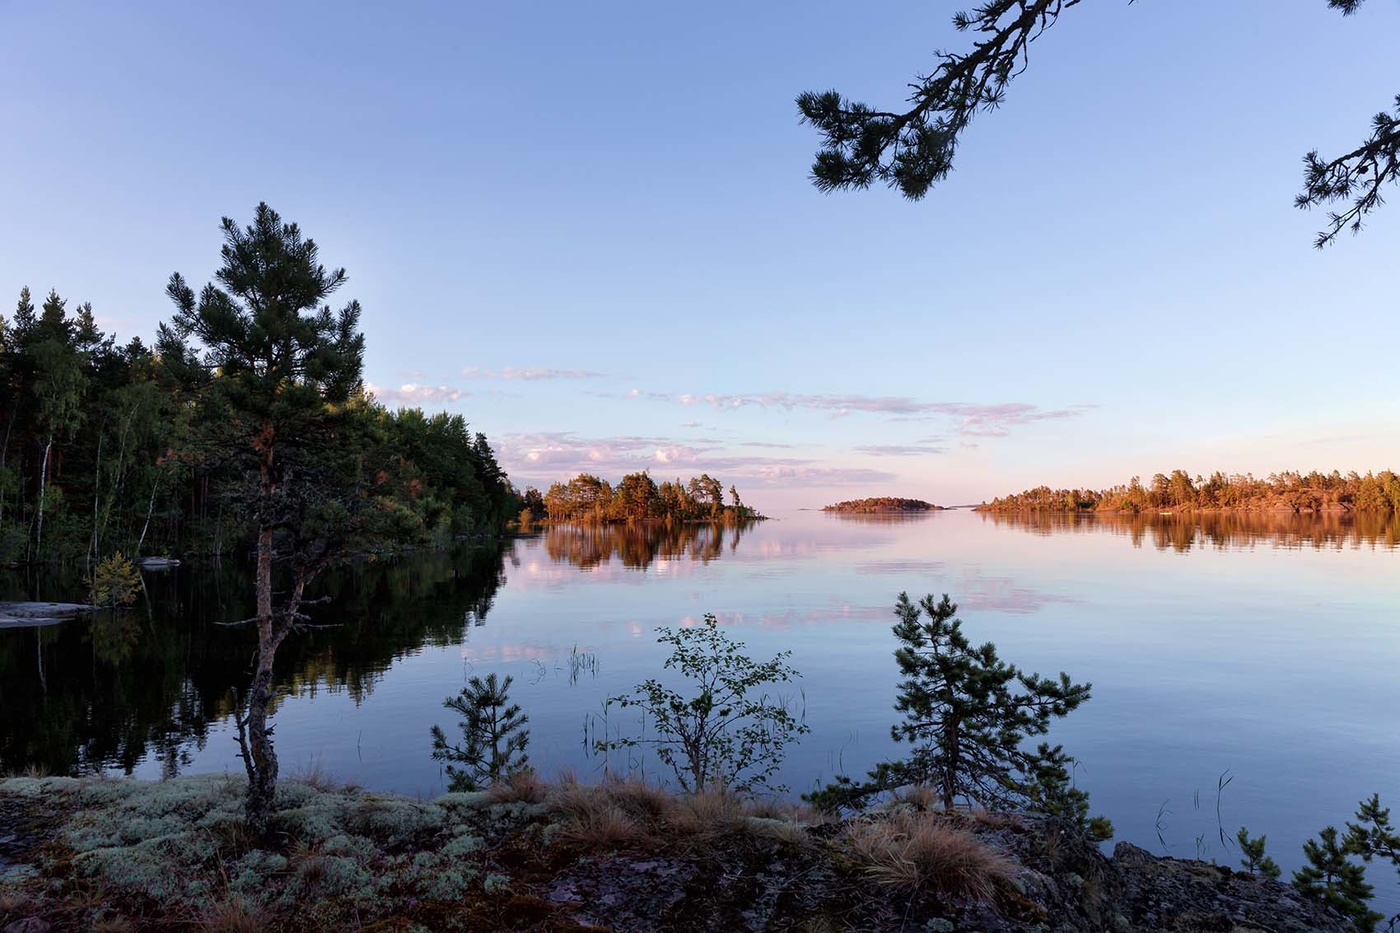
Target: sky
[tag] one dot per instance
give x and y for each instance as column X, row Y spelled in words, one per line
column 589, row 229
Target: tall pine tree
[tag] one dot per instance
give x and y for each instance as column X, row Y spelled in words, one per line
column 281, row 370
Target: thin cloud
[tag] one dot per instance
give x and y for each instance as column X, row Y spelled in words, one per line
column 970, row 419
column 558, row 456
column 898, row 450
column 530, row 373
column 412, row 393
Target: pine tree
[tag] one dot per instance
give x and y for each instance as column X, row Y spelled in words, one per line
column 279, row 371
column 493, row 732
column 1255, row 861
column 1334, row 881
column 966, row 713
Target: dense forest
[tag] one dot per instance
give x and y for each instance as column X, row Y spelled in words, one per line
column 1292, row 492
column 101, row 449
column 881, row 504
column 637, row 497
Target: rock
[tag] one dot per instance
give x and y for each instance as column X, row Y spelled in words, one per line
column 27, row 615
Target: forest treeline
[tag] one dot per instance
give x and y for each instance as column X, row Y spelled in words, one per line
column 101, row 449
column 637, row 497
column 1289, row 491
column 881, row 504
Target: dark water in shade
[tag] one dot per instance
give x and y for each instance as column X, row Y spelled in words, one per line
column 1261, row 650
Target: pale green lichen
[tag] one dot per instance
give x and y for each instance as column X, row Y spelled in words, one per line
column 38, row 787
column 249, row 874
column 393, row 820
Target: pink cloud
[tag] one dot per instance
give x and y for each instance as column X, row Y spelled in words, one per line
column 975, row 420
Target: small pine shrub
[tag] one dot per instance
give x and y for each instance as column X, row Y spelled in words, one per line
column 114, row 582
column 493, row 732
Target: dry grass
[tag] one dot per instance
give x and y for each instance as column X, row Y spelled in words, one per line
column 236, row 915
column 316, row 775
column 600, row 824
column 919, row 797
column 521, row 787
column 925, row 852
column 706, row 814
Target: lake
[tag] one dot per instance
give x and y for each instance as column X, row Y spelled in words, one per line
column 1246, row 671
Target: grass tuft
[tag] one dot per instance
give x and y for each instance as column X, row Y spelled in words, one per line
column 521, row 787
column 914, row 851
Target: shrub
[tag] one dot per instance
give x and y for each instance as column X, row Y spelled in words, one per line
column 493, row 732
column 966, row 714
column 727, row 734
column 114, row 582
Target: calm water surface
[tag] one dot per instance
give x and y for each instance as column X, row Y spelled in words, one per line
column 1264, row 652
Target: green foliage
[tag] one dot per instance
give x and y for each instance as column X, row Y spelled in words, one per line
column 912, row 150
column 1373, row 836
column 878, row 504
column 1255, row 861
column 493, row 732
column 966, row 713
column 1300, row 492
column 1331, row 879
column 1050, row 791
column 114, row 582
column 727, row 732
column 636, row 498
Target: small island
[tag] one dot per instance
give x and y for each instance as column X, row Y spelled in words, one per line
column 882, row 504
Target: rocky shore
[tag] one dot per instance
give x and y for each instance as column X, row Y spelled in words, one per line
column 119, row 855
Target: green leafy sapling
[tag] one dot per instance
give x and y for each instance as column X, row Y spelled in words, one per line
column 1255, row 861
column 1331, row 879
column 493, row 732
column 726, row 732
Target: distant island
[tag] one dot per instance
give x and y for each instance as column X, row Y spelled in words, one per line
column 1179, row 492
column 589, row 500
column 883, row 504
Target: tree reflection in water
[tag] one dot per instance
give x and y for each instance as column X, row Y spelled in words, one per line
column 639, row 545
column 105, row 691
column 1220, row 530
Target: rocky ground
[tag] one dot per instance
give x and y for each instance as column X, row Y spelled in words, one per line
column 121, row 855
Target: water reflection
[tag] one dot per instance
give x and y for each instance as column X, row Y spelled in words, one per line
column 882, row 518
column 1218, row 530
column 111, row 689
column 638, row 546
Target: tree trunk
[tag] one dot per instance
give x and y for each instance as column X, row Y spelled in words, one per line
column 259, row 756
column 43, row 485
column 96, row 496
column 151, row 507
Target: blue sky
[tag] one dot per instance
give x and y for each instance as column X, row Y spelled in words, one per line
column 588, row 228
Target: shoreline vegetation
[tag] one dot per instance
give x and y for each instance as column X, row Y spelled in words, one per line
column 123, row 855
column 1289, row 492
column 882, row 504
column 637, row 498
